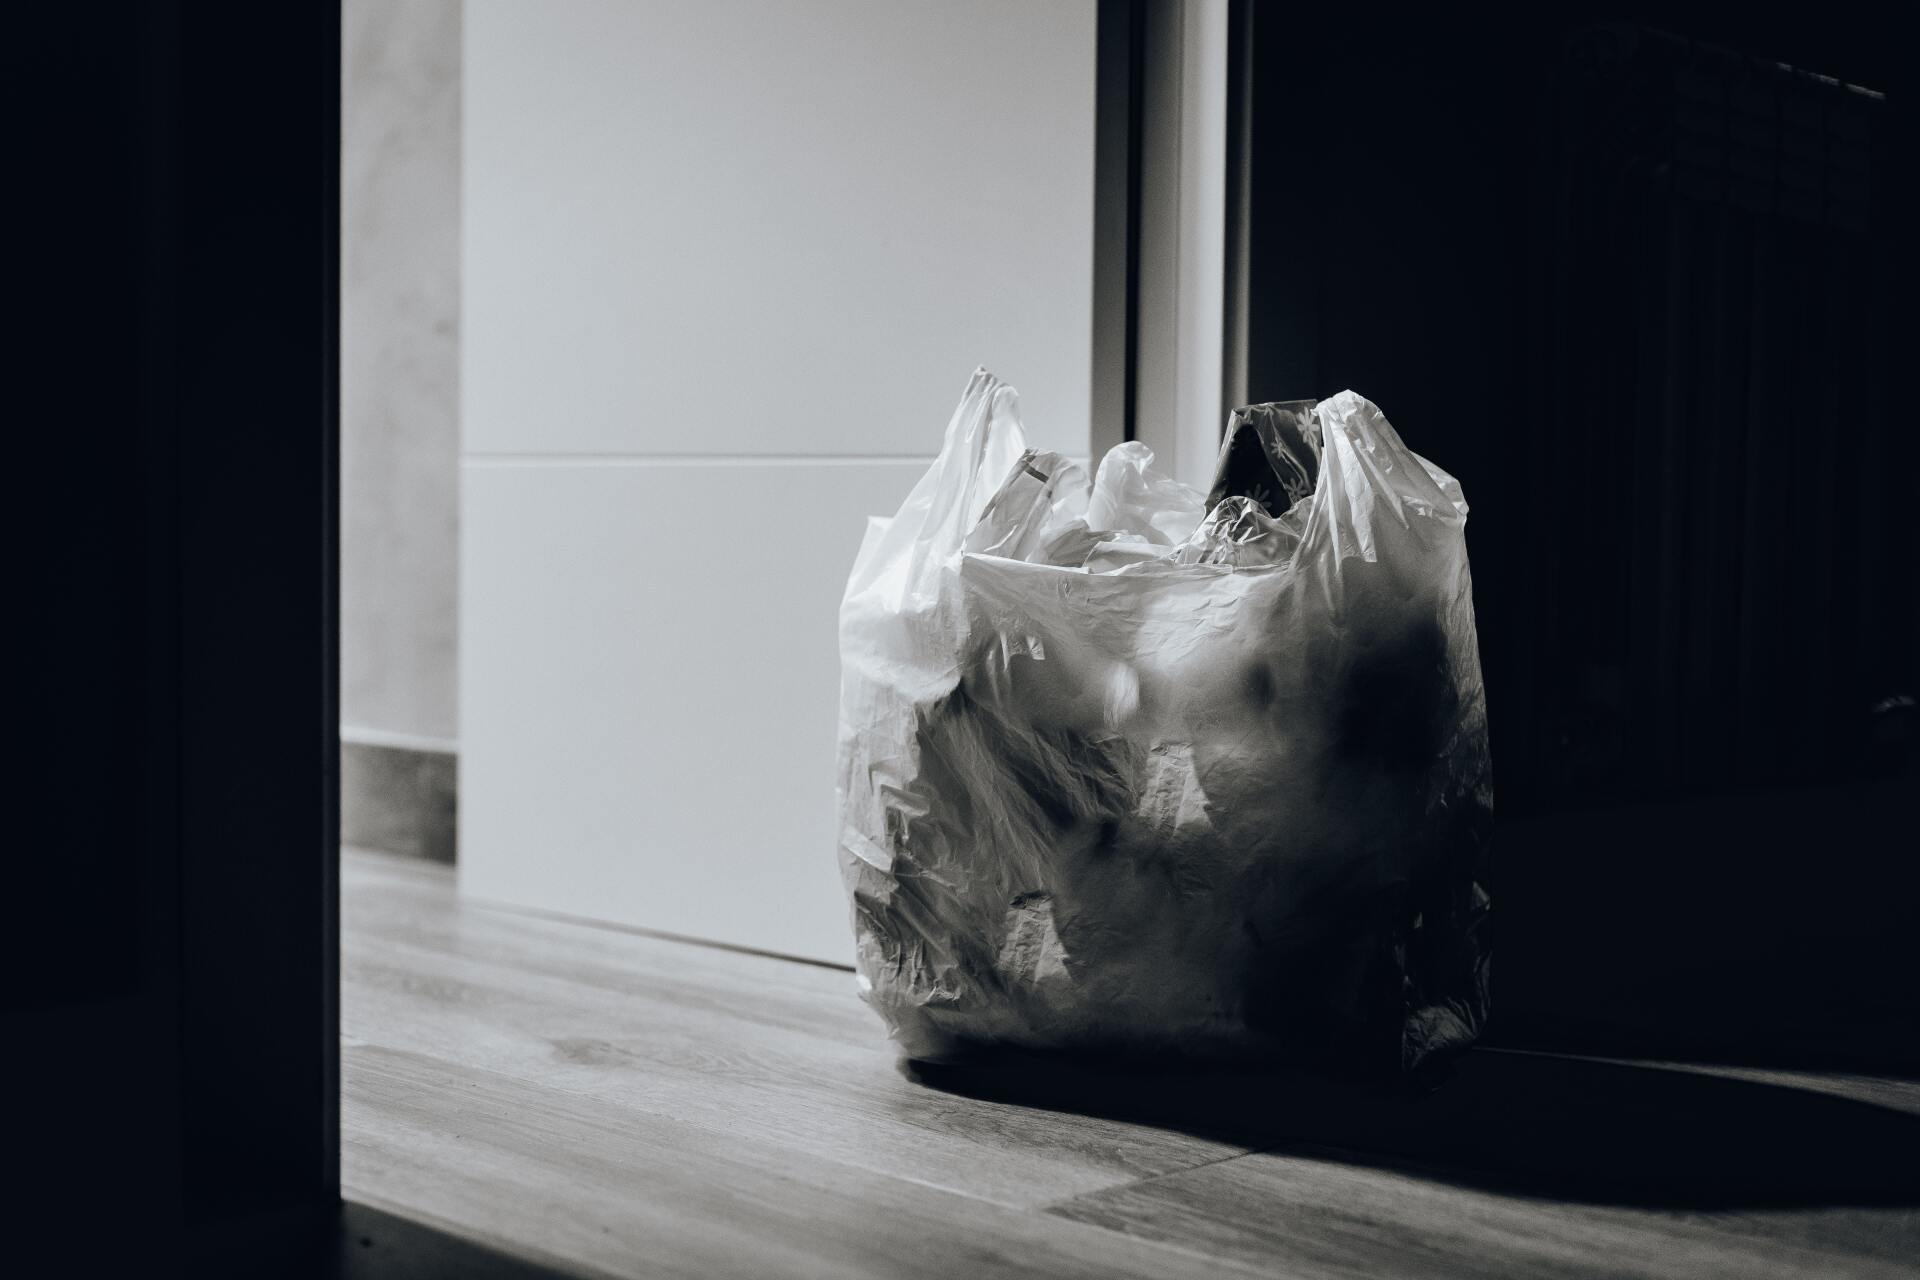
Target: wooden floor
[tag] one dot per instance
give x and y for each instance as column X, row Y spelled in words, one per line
column 605, row 1103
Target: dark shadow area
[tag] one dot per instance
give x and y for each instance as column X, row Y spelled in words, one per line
column 172, row 984
column 1764, row 928
column 1640, row 285
column 1528, row 1124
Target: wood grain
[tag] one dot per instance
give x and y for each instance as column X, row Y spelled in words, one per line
column 633, row 1192
column 613, row 1103
column 739, row 1043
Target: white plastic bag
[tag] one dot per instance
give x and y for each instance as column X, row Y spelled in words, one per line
column 1119, row 773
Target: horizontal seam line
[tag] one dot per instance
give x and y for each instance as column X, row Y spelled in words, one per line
column 686, row 459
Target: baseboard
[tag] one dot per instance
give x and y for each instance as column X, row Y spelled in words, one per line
column 399, row 799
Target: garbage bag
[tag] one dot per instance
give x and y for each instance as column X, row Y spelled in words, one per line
column 1126, row 768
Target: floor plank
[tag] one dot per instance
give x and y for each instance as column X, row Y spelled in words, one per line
column 614, row 1103
column 637, row 1193
column 734, row 1042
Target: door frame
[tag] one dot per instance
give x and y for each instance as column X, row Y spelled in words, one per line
column 178, row 979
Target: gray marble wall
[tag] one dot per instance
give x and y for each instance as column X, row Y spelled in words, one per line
column 399, row 370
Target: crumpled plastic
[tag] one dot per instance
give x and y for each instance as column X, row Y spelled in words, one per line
column 1125, row 768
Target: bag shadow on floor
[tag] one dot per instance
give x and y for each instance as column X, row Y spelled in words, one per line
column 1519, row 1123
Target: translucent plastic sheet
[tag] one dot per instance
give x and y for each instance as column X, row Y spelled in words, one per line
column 1126, row 768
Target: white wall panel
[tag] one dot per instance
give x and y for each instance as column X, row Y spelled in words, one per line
column 650, row 692
column 741, row 226
column 726, row 263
